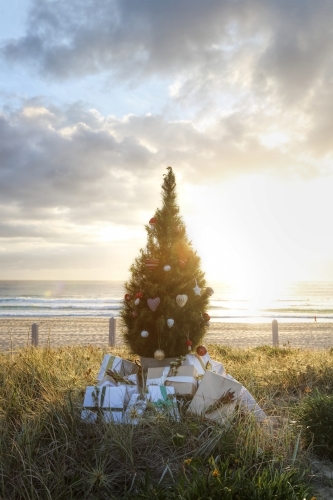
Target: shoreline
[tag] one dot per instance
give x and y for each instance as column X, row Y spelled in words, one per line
column 61, row 331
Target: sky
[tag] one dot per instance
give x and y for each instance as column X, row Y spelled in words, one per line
column 98, row 97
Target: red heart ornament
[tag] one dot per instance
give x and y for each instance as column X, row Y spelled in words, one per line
column 153, row 303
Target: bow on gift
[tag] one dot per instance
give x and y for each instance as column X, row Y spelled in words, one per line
column 167, row 399
column 165, row 378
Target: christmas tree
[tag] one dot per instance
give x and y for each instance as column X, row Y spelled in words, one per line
column 164, row 309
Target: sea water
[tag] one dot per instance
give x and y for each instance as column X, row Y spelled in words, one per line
column 293, row 302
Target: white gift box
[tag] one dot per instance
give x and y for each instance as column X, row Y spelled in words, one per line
column 91, row 397
column 113, row 417
column 163, row 398
column 135, row 409
column 204, row 363
column 247, row 401
column 110, row 362
column 88, row 416
column 114, row 397
column 209, row 392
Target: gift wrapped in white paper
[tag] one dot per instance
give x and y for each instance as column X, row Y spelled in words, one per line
column 184, row 381
column 110, row 362
column 88, row 416
column 135, row 409
column 216, row 397
column 164, row 400
column 114, row 397
column 204, row 363
column 91, row 397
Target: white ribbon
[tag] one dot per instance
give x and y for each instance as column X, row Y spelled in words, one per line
column 164, row 378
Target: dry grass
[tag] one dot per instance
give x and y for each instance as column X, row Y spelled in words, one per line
column 47, row 452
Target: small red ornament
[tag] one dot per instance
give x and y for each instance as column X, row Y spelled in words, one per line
column 201, row 350
column 206, row 316
column 189, row 343
column 127, row 296
column 152, row 222
column 139, row 295
column 152, row 264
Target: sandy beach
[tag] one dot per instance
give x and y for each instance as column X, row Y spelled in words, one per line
column 16, row 333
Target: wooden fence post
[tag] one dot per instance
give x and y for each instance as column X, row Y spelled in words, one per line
column 112, row 331
column 34, row 334
column 275, row 333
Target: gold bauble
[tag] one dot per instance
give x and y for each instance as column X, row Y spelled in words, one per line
column 159, row 354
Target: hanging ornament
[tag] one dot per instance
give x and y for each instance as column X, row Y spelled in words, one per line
column 134, row 314
column 137, row 302
column 144, row 333
column 167, row 268
column 139, row 295
column 152, row 222
column 201, row 350
column 152, row 264
column 189, row 344
column 127, row 297
column 182, row 262
column 153, row 303
column 159, row 354
column 209, row 291
column 206, row 317
column 196, row 289
column 170, row 322
column 181, row 300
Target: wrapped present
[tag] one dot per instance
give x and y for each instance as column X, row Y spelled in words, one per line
column 135, row 409
column 247, row 402
column 130, row 368
column 113, row 363
column 108, row 381
column 184, row 381
column 163, row 398
column 88, row 416
column 91, row 398
column 115, row 398
column 204, row 363
column 216, row 397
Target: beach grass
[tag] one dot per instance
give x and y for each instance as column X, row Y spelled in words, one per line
column 48, row 452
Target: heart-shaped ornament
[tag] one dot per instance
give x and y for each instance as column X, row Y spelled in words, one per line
column 181, row 300
column 170, row 322
column 153, row 303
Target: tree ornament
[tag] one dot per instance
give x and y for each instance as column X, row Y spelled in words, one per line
column 189, row 343
column 206, row 317
column 179, row 228
column 153, row 303
column 127, row 297
column 138, row 295
column 137, row 301
column 182, row 262
column 159, row 354
column 152, row 222
column 181, row 300
column 167, row 268
column 144, row 333
column 209, row 291
column 152, row 264
column 170, row 322
column 134, row 314
column 196, row 289
column 201, row 350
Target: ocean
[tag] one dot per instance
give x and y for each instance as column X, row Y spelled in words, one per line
column 292, row 302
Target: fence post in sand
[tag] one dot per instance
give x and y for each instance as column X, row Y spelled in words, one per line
column 275, row 333
column 112, row 331
column 34, row 334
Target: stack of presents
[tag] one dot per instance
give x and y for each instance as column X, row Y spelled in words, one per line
column 122, row 391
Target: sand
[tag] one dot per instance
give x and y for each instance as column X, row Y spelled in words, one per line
column 16, row 333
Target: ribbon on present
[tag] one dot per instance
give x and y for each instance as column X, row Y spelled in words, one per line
column 126, row 379
column 166, row 401
column 165, row 378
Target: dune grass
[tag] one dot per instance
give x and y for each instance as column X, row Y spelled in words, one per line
column 47, row 452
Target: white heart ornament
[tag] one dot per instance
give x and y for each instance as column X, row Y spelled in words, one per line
column 181, row 300
column 170, row 322
column 153, row 303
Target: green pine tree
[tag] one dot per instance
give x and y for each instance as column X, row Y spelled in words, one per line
column 177, row 275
